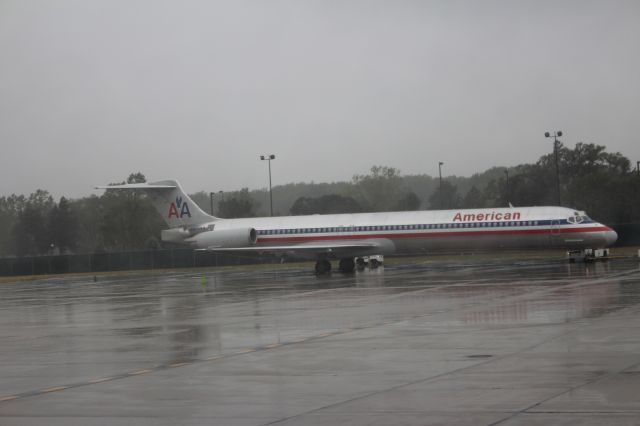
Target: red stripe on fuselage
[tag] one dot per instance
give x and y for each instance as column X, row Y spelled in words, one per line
column 429, row 234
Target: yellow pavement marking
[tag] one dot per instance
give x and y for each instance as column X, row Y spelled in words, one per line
column 273, row 345
column 178, row 364
column 212, row 358
column 135, row 373
column 246, row 351
column 103, row 379
column 8, row 398
column 324, row 334
column 54, row 389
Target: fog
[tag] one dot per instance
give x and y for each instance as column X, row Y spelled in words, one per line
column 196, row 91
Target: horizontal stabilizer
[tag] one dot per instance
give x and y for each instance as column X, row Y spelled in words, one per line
column 144, row 186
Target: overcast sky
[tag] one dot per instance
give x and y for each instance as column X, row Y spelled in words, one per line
column 91, row 91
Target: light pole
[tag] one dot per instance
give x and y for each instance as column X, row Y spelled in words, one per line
column 506, row 172
column 269, row 158
column 556, row 135
column 440, row 174
column 638, row 175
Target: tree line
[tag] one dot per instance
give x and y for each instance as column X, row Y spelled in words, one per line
column 591, row 179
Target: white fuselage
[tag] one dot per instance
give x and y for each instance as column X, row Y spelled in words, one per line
column 426, row 231
column 345, row 236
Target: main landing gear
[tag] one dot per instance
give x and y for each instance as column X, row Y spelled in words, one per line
column 346, row 265
column 323, row 266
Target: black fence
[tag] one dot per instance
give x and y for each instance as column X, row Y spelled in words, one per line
column 124, row 261
column 628, row 235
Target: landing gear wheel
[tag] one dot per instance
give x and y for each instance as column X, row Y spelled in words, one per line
column 323, row 267
column 360, row 263
column 373, row 263
column 347, row 265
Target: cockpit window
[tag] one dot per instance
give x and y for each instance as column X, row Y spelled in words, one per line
column 578, row 217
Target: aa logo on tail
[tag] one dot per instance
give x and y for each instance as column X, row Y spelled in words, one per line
column 179, row 209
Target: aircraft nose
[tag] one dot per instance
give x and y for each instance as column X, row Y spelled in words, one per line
column 610, row 236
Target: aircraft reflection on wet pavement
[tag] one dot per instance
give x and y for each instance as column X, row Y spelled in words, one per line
column 217, row 342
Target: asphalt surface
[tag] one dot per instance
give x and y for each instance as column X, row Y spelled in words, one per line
column 454, row 343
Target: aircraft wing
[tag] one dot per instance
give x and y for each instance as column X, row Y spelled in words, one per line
column 330, row 247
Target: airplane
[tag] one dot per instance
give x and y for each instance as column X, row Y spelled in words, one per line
column 349, row 236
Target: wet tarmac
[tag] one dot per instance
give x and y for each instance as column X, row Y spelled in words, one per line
column 483, row 343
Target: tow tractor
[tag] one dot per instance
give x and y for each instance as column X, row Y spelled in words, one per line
column 371, row 261
column 588, row 255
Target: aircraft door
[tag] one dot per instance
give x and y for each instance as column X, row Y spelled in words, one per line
column 554, row 233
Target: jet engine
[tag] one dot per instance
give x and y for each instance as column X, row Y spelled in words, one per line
column 225, row 238
column 174, row 235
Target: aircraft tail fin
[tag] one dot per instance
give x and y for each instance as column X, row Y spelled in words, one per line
column 169, row 199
